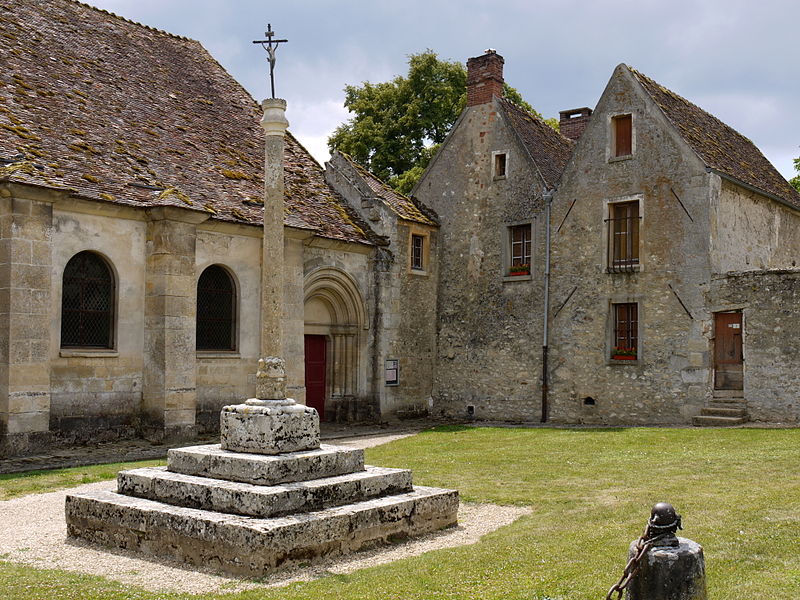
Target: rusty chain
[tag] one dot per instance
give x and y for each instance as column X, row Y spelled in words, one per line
column 643, row 544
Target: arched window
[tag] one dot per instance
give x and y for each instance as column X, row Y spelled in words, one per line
column 216, row 310
column 87, row 303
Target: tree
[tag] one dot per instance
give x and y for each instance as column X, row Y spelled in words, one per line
column 795, row 181
column 398, row 125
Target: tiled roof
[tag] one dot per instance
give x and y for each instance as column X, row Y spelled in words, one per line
column 119, row 112
column 719, row 146
column 547, row 148
column 403, row 207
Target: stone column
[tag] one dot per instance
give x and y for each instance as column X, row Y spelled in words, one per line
column 25, row 297
column 169, row 390
column 271, row 423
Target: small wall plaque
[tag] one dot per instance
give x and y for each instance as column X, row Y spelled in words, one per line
column 392, row 371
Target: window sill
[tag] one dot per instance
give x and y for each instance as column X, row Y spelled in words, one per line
column 620, row 158
column 624, row 270
column 510, row 278
column 624, row 362
column 87, row 353
column 418, row 272
column 218, row 354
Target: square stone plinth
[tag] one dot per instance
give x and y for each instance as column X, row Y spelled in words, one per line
column 269, row 430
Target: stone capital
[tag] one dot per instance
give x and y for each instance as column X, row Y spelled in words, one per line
column 274, row 120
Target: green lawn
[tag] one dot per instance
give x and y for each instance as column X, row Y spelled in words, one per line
column 591, row 491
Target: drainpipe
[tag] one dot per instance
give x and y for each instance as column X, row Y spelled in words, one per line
column 548, row 200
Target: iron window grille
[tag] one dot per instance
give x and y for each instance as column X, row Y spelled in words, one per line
column 417, row 242
column 216, row 310
column 87, row 303
column 626, row 331
column 623, row 237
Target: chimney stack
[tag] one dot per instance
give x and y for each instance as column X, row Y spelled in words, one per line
column 573, row 122
column 484, row 78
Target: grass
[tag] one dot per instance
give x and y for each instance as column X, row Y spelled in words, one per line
column 591, row 490
column 14, row 485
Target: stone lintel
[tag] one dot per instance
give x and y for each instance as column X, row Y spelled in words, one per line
column 264, row 469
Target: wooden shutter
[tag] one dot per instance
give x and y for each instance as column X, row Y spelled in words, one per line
column 623, row 131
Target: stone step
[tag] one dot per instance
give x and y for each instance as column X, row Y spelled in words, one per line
column 263, row 469
column 249, row 546
column 729, row 394
column 718, row 411
column 178, row 489
column 703, row 421
column 727, row 403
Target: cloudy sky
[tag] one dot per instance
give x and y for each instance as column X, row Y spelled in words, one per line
column 738, row 59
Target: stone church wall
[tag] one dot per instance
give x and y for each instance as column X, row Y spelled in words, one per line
column 97, row 394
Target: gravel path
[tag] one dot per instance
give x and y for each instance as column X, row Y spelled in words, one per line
column 33, row 531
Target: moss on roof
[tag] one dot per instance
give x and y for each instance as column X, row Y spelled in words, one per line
column 142, row 111
column 718, row 145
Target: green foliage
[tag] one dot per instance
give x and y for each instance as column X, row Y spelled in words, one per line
column 795, row 181
column 397, row 125
column 590, row 491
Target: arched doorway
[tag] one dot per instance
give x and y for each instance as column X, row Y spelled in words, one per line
column 334, row 317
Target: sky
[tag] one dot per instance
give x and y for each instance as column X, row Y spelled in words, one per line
column 737, row 59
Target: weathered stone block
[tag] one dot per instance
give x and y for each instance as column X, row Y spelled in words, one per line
column 156, row 483
column 269, row 429
column 264, row 469
column 250, row 546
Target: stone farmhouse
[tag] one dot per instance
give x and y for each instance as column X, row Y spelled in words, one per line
column 642, row 254
column 657, row 244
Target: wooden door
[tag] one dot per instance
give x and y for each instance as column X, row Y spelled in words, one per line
column 316, row 366
column 728, row 357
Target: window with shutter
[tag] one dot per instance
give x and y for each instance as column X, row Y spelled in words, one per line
column 625, row 345
column 623, row 135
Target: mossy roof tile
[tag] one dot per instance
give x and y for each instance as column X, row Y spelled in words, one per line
column 718, row 145
column 105, row 106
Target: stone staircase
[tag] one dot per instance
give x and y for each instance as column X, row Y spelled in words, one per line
column 268, row 495
column 248, row 514
column 726, row 408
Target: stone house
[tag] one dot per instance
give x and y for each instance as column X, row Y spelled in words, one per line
column 131, row 170
column 486, row 184
column 673, row 255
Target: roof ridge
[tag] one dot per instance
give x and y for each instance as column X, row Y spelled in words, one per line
column 131, row 21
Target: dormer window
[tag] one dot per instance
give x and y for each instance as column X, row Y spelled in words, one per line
column 499, row 166
column 622, row 135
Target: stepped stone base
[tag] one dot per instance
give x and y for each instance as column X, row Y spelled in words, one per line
column 264, row 469
column 236, row 498
column 250, row 546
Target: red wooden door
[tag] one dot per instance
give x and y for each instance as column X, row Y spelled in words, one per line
column 316, row 359
column 728, row 358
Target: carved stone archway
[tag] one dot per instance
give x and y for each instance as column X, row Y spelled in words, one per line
column 334, row 308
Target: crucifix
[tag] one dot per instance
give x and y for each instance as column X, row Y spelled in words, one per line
column 270, row 45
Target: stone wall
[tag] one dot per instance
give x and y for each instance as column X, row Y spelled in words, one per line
column 229, row 377
column 751, row 232
column 770, row 303
column 670, row 380
column 25, row 263
column 97, row 394
column 489, row 324
column 402, row 301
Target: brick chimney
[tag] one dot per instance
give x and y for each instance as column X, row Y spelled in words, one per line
column 484, row 78
column 573, row 122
